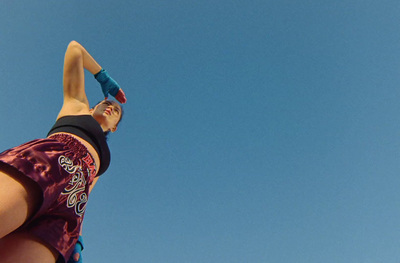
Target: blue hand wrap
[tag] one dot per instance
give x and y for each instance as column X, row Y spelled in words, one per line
column 78, row 249
column 108, row 85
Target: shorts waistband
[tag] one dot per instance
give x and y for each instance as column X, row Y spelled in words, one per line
column 72, row 143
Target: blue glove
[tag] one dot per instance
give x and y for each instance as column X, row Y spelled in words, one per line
column 76, row 256
column 108, row 85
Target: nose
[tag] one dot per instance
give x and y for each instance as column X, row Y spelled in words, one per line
column 111, row 108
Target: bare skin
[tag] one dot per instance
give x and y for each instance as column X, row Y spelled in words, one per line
column 19, row 196
column 22, row 247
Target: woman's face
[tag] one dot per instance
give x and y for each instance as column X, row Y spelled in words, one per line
column 107, row 113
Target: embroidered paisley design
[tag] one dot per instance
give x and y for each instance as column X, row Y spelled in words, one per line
column 75, row 191
column 67, row 164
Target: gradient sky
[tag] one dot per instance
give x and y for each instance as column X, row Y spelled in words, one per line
column 255, row 131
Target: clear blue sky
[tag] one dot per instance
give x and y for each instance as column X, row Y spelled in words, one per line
column 255, row 131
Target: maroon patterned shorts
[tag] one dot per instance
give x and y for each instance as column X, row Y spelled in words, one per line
column 64, row 169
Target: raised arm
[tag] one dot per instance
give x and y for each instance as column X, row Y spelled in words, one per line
column 76, row 60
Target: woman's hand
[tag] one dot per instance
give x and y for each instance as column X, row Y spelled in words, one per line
column 110, row 86
column 76, row 256
column 120, row 96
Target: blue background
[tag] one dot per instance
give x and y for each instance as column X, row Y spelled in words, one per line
column 255, row 131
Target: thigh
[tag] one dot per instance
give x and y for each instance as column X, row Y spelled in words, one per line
column 20, row 197
column 23, row 247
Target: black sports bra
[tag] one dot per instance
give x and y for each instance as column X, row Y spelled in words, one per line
column 87, row 128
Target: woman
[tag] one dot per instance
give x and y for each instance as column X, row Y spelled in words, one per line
column 45, row 183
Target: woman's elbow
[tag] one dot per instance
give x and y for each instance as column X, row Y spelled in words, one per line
column 73, row 49
column 73, row 43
